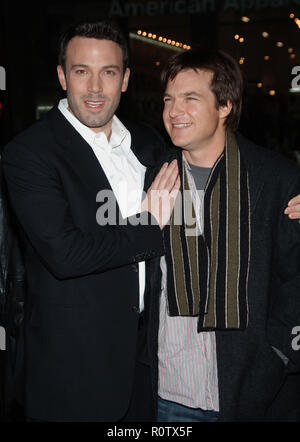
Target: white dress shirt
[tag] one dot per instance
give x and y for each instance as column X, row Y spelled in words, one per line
column 123, row 170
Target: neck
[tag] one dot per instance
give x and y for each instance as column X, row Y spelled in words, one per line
column 107, row 129
column 207, row 154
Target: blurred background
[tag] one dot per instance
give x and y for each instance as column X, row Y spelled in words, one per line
column 262, row 35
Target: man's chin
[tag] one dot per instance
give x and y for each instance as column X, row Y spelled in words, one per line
column 92, row 123
column 177, row 142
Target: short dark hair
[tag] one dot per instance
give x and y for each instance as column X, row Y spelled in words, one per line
column 226, row 83
column 100, row 29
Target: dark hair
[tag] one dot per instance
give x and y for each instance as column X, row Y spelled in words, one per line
column 227, row 81
column 100, row 29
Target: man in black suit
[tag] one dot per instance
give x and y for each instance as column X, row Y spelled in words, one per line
column 85, row 320
column 228, row 317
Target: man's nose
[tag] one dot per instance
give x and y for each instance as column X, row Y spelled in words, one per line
column 176, row 109
column 95, row 84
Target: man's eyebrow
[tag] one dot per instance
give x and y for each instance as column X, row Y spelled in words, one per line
column 111, row 66
column 79, row 66
column 186, row 94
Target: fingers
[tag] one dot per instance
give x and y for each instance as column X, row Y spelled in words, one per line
column 293, row 213
column 176, row 187
column 162, row 193
column 294, row 201
column 166, row 177
column 293, row 209
column 160, row 173
column 170, row 176
column 155, row 183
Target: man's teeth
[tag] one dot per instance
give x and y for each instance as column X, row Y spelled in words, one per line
column 94, row 103
column 179, row 126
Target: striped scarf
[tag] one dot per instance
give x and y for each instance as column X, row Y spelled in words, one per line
column 207, row 273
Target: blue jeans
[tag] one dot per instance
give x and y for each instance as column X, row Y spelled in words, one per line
column 168, row 411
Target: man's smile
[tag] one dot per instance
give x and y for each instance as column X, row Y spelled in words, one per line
column 181, row 125
column 94, row 105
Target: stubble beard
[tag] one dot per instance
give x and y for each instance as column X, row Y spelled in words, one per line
column 92, row 121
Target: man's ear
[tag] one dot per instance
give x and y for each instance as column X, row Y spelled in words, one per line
column 225, row 110
column 62, row 77
column 125, row 80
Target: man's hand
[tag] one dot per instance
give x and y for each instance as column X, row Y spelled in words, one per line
column 293, row 209
column 162, row 193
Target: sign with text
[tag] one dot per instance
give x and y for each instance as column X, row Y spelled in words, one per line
column 169, row 7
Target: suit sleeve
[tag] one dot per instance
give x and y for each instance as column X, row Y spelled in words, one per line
column 285, row 313
column 43, row 213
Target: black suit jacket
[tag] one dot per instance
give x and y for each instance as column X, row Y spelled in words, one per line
column 254, row 383
column 83, row 291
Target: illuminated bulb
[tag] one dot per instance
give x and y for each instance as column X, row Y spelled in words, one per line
column 154, row 36
column 157, row 63
column 279, row 44
column 259, row 85
column 160, row 38
column 139, row 32
column 241, row 40
column 265, row 34
column 177, row 44
column 297, row 21
column 184, row 46
column 267, row 57
column 292, row 15
column 188, row 48
column 245, row 19
column 149, row 35
column 236, row 36
column 272, row 92
column 164, row 40
column 173, row 42
column 144, row 34
column 169, row 42
column 242, row 60
column 292, row 56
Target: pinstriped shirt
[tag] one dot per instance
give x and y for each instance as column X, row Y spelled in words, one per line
column 187, row 360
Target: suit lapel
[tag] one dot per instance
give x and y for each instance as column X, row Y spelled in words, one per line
column 78, row 152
